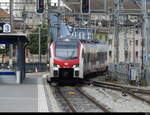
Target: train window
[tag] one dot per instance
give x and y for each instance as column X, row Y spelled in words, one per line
column 136, row 42
column 126, row 55
column 137, row 54
column 64, row 43
column 66, row 52
column 110, row 53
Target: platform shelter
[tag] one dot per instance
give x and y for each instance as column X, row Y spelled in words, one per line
column 15, row 74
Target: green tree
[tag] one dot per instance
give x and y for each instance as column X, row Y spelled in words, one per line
column 2, row 18
column 33, row 38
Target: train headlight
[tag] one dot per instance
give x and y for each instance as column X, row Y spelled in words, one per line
column 55, row 65
column 77, row 65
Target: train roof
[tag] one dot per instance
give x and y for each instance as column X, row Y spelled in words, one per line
column 73, row 39
column 92, row 41
column 69, row 40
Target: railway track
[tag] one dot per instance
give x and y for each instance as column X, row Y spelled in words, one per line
column 79, row 101
column 135, row 90
column 124, row 89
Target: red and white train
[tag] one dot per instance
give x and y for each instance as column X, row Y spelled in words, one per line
column 72, row 58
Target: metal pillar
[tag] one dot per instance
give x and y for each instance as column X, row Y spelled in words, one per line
column 133, row 47
column 118, row 4
column 59, row 15
column 11, row 14
column 49, row 31
column 20, row 61
column 116, row 32
column 11, row 46
column 106, row 5
column 146, row 36
column 142, row 59
column 23, row 67
column 118, row 20
column 24, row 15
column 146, row 44
column 39, row 40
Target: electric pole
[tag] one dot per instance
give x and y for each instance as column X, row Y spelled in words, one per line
column 49, row 31
column 116, row 32
column 59, row 15
column 12, row 29
column 134, row 47
column 142, row 59
column 24, row 14
column 146, row 41
column 39, row 40
column 146, row 35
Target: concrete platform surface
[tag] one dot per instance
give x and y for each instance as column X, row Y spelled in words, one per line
column 27, row 97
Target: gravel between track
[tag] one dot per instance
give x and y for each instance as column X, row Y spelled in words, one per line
column 115, row 100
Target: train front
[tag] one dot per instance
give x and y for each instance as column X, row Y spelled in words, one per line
column 65, row 58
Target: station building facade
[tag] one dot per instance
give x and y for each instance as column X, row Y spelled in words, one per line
column 130, row 46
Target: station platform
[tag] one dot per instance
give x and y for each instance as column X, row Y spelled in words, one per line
column 33, row 95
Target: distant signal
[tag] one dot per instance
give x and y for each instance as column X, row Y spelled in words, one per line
column 40, row 6
column 85, row 6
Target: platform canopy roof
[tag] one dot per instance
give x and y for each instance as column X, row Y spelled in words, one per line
column 12, row 38
column 130, row 6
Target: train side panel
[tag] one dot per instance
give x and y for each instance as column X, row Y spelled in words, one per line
column 95, row 58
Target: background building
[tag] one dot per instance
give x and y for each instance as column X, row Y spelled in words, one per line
column 130, row 46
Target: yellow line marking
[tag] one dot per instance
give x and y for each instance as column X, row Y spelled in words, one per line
column 72, row 93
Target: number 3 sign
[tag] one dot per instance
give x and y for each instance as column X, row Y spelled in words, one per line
column 6, row 28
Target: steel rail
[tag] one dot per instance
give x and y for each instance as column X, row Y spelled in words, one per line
column 92, row 100
column 66, row 100
column 135, row 90
column 123, row 89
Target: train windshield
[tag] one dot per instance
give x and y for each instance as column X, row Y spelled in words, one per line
column 66, row 52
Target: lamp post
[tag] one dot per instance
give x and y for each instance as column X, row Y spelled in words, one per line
column 49, row 32
column 39, row 43
column 24, row 15
column 11, row 23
